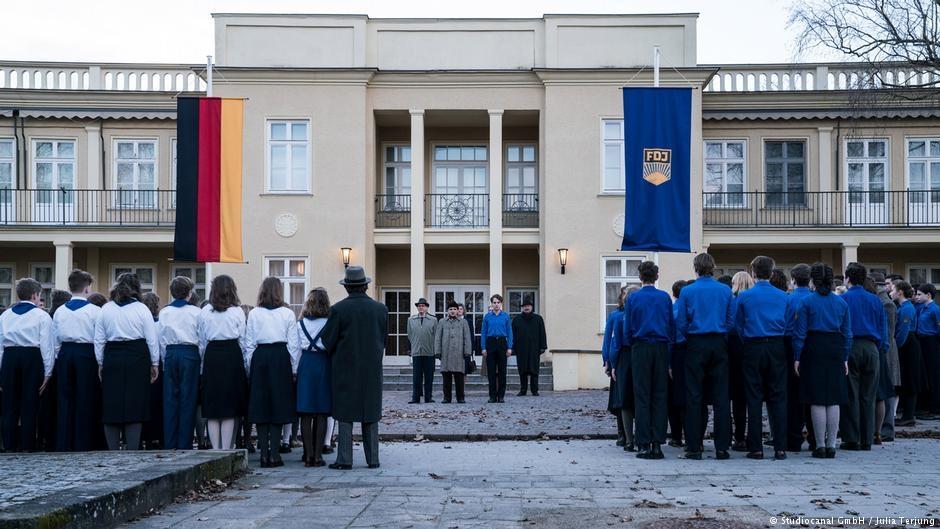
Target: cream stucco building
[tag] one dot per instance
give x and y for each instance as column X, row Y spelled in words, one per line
column 455, row 157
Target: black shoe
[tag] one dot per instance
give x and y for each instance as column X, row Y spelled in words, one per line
column 461, row 401
column 373, row 465
column 277, row 463
column 739, row 446
column 676, row 444
column 888, row 439
column 820, row 453
column 414, row 401
column 327, row 450
column 491, row 399
column 769, row 442
column 721, row 455
column 265, row 463
column 849, row 446
column 520, row 394
column 780, row 455
column 427, row 401
column 657, row 452
column 337, row 466
column 866, row 448
column 694, row 455
column 830, row 453
column 501, row 399
column 644, row 453
column 621, row 442
column 629, row 447
column 755, row 455
column 284, row 449
column 446, row 401
column 251, row 449
column 905, row 422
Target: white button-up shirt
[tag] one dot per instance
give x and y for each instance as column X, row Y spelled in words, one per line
column 272, row 326
column 313, row 327
column 133, row 321
column 75, row 325
column 33, row 328
column 226, row 325
column 178, row 326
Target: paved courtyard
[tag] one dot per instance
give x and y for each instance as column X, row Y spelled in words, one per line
column 570, row 484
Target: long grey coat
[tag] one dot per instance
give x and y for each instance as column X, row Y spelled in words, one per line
column 452, row 342
column 891, row 311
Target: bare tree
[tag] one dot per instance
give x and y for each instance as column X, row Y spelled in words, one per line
column 875, row 32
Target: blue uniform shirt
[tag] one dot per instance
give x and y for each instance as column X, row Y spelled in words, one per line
column 796, row 297
column 868, row 316
column 704, row 307
column 617, row 340
column 608, row 335
column 495, row 326
column 818, row 313
column 649, row 317
column 761, row 311
column 907, row 317
column 928, row 319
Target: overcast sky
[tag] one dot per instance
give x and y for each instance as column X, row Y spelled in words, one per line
column 729, row 31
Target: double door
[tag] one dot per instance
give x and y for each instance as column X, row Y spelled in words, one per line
column 473, row 297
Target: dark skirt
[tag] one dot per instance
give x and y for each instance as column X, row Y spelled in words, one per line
column 912, row 366
column 677, row 384
column 736, row 383
column 224, row 384
column 885, row 388
column 622, row 390
column 314, row 383
column 822, row 370
column 272, row 388
column 930, row 352
column 125, row 382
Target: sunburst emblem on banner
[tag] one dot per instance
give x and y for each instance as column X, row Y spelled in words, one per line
column 657, row 166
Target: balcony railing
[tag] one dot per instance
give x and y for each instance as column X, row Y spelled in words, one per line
column 70, row 208
column 821, row 209
column 459, row 211
column 521, row 211
column 392, row 211
column 108, row 76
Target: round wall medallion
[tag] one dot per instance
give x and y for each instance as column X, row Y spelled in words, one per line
column 617, row 225
column 286, row 224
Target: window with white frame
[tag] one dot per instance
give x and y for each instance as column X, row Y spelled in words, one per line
column 7, row 164
column 135, row 172
column 612, row 176
column 725, row 173
column 173, row 172
column 521, row 183
column 924, row 273
column 45, row 274
column 288, row 153
column 460, row 184
column 7, row 278
column 398, row 303
column 197, row 273
column 54, row 171
column 396, row 181
column 785, row 173
column 292, row 271
column 923, row 170
column 866, row 170
column 517, row 296
column 616, row 273
column 145, row 273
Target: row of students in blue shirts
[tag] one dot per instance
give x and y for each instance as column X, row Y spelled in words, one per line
column 833, row 344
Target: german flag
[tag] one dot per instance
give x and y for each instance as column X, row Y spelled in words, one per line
column 208, row 180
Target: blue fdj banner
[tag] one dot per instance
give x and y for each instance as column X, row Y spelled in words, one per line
column 657, row 140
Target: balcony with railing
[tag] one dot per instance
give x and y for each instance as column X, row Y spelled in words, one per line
column 136, row 77
column 821, row 209
column 457, row 211
column 790, row 77
column 87, row 208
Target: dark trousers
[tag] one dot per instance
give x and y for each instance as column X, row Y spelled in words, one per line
column 79, row 399
column 423, row 375
column 21, row 377
column 370, row 442
column 524, row 382
column 650, row 371
column 857, row 422
column 180, row 396
column 765, row 378
column 707, row 356
column 496, row 366
column 797, row 412
column 453, row 378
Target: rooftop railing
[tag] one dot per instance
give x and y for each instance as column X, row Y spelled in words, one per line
column 789, row 77
column 92, row 76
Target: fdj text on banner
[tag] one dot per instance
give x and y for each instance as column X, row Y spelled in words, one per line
column 657, row 144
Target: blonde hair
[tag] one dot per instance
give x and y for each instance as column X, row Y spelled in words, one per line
column 741, row 281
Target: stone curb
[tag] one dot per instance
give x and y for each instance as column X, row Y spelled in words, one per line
column 545, row 436
column 123, row 497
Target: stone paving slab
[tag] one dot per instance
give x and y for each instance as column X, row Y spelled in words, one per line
column 569, row 485
column 97, row 489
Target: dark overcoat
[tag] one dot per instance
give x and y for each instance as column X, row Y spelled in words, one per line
column 355, row 336
column 528, row 341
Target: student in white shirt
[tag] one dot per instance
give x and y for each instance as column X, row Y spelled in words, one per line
column 79, row 403
column 224, row 380
column 27, row 353
column 178, row 326
column 272, row 352
column 128, row 355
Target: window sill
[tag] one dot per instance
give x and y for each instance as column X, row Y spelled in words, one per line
column 612, row 194
column 286, row 194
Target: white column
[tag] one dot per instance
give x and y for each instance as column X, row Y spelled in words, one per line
column 417, row 206
column 827, row 201
column 496, row 202
column 63, row 263
column 93, row 157
column 849, row 255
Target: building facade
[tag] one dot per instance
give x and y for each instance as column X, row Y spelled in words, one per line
column 455, row 158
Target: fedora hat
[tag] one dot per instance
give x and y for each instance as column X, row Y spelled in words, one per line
column 527, row 301
column 355, row 275
column 422, row 301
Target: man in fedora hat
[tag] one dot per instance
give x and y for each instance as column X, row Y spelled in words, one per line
column 355, row 336
column 421, row 337
column 528, row 331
